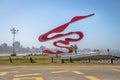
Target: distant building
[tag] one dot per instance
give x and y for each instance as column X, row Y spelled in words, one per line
column 4, row 47
column 0, row 48
column 17, row 46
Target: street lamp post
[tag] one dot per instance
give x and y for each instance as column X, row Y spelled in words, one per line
column 14, row 31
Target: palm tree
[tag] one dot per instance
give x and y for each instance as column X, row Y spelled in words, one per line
column 75, row 48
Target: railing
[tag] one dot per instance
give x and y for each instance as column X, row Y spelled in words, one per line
column 85, row 54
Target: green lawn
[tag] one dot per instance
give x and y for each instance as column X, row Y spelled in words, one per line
column 41, row 60
column 27, row 60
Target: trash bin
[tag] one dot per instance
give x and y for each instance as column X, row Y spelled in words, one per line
column 62, row 60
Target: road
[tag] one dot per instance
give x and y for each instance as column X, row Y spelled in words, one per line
column 60, row 73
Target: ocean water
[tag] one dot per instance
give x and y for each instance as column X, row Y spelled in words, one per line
column 18, row 54
column 5, row 54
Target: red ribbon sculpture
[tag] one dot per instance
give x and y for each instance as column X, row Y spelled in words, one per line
column 44, row 37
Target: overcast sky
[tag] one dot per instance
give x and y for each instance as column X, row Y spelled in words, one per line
column 35, row 17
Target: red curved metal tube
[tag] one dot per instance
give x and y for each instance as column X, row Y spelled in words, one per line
column 44, row 37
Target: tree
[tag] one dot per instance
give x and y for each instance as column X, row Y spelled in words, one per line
column 75, row 48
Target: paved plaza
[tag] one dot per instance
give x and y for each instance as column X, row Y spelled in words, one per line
column 60, row 73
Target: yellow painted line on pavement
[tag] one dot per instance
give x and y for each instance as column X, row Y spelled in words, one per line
column 78, row 72
column 39, row 78
column 29, row 78
column 16, row 79
column 116, row 70
column 59, row 71
column 91, row 78
column 23, row 75
column 3, row 73
column 9, row 67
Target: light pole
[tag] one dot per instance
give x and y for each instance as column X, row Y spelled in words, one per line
column 14, row 31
